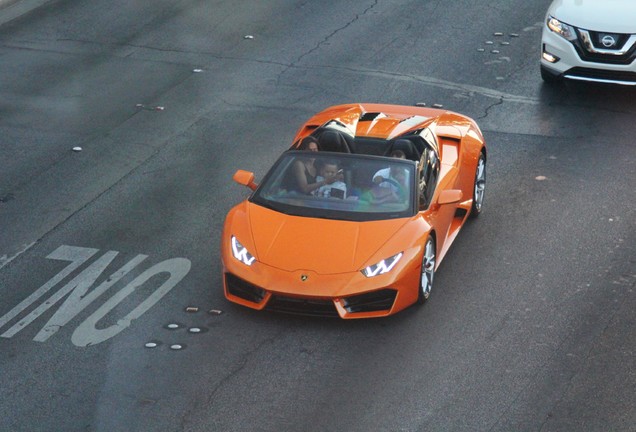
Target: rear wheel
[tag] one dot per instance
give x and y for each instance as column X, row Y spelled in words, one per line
column 480, row 186
column 428, row 271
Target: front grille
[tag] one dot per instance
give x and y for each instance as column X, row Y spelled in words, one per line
column 370, row 302
column 601, row 74
column 607, row 58
column 243, row 289
column 302, row 306
column 597, row 37
column 600, row 57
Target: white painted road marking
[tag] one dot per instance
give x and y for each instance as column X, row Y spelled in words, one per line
column 77, row 256
column 79, row 296
column 86, row 334
column 78, row 299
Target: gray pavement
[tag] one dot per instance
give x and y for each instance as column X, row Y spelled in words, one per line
column 12, row 9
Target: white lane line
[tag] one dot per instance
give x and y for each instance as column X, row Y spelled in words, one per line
column 448, row 85
column 4, row 259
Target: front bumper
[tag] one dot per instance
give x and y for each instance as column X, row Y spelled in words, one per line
column 348, row 295
column 375, row 303
column 560, row 59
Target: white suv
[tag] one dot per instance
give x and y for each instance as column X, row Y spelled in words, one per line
column 590, row 40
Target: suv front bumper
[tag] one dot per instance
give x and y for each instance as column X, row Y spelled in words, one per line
column 560, row 59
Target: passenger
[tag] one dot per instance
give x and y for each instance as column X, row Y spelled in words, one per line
column 309, row 143
column 304, row 170
column 334, row 187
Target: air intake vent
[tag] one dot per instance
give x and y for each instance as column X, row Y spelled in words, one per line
column 371, row 116
column 243, row 289
column 302, row 306
column 371, row 302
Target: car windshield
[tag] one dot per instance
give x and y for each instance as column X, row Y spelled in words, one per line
column 339, row 186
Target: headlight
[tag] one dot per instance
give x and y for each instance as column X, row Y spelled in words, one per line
column 241, row 253
column 382, row 267
column 562, row 29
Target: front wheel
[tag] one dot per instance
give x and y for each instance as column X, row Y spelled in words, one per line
column 427, row 272
column 548, row 77
column 480, row 186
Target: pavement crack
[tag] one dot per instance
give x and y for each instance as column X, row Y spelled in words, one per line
column 336, row 31
column 328, row 37
column 489, row 107
column 240, row 366
column 147, row 48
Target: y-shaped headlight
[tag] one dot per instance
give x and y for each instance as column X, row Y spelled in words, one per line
column 241, row 253
column 382, row 267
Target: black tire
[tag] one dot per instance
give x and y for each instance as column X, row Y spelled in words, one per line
column 548, row 77
column 479, row 187
column 427, row 271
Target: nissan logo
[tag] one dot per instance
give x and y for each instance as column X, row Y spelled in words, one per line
column 608, row 41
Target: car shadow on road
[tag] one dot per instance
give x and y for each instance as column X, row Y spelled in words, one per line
column 611, row 97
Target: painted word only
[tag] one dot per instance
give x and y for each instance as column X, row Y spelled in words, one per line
column 79, row 295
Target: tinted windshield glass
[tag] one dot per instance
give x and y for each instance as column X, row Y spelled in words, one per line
column 339, row 186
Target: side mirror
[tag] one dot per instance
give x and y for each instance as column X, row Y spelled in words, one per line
column 245, row 178
column 449, row 196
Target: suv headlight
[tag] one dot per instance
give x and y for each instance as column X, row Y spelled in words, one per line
column 241, row 253
column 562, row 29
column 382, row 267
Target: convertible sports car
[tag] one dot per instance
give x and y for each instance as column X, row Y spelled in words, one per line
column 392, row 187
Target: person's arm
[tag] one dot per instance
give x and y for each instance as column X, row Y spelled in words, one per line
column 301, row 179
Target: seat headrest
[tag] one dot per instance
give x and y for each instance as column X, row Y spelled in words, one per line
column 333, row 141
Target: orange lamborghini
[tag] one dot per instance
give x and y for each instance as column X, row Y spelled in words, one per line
column 357, row 227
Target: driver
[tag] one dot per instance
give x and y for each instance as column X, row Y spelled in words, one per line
column 395, row 173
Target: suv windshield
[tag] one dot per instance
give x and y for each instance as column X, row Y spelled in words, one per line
column 339, row 186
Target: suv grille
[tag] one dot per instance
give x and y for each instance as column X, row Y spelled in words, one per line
column 589, row 46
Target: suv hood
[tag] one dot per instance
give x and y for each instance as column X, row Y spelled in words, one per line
column 611, row 16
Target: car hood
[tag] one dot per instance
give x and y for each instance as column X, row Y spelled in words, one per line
column 322, row 245
column 612, row 16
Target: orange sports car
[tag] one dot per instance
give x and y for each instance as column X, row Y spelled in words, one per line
column 355, row 218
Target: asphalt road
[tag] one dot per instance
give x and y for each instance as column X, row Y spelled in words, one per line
column 531, row 323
